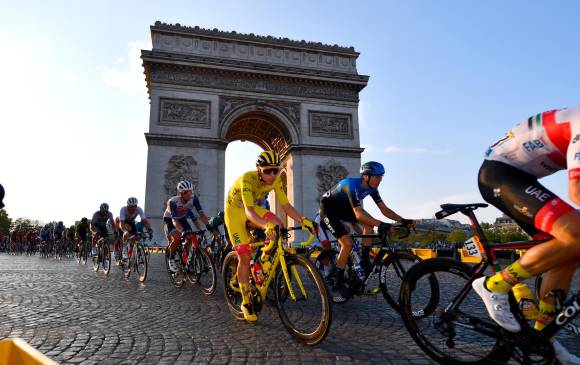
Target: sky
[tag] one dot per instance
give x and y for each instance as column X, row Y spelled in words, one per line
column 447, row 79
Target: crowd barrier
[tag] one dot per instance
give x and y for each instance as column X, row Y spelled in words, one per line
column 17, row 351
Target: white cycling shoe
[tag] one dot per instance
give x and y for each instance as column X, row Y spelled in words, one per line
column 563, row 356
column 172, row 266
column 497, row 305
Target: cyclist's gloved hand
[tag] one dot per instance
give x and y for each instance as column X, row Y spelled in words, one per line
column 307, row 224
column 385, row 228
column 407, row 222
column 270, row 230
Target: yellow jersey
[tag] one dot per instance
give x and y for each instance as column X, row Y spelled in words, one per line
column 249, row 189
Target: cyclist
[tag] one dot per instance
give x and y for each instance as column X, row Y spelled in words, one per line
column 242, row 206
column 99, row 224
column 343, row 203
column 126, row 223
column 179, row 208
column 508, row 179
column 82, row 230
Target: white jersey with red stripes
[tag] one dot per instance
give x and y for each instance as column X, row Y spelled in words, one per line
column 128, row 217
column 543, row 144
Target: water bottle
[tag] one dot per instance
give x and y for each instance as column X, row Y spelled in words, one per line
column 526, row 301
column 257, row 270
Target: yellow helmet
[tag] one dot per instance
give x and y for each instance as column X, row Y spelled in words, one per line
column 268, row 159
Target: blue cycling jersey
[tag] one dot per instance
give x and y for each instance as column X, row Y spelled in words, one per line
column 350, row 191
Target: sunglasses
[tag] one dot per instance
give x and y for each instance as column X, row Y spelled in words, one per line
column 271, row 171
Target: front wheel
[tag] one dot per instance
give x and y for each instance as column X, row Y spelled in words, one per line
column 106, row 258
column 176, row 278
column 97, row 260
column 464, row 335
column 392, row 270
column 202, row 271
column 308, row 315
column 141, row 263
column 232, row 291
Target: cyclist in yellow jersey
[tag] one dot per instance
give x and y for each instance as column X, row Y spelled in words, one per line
column 242, row 205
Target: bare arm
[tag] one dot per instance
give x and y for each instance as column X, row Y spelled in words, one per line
column 254, row 217
column 574, row 191
column 388, row 212
column 292, row 212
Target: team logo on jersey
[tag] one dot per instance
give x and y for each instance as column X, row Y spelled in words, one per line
column 524, row 210
column 530, row 146
column 577, row 156
column 538, row 193
column 576, row 139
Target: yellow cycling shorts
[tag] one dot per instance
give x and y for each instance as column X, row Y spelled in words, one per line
column 236, row 220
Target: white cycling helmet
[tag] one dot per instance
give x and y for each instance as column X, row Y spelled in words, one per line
column 132, row 202
column 184, row 186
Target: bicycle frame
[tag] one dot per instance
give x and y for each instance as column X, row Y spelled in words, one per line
column 278, row 259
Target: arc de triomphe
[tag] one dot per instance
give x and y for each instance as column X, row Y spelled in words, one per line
column 208, row 88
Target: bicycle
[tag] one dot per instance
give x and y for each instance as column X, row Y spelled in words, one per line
column 388, row 265
column 103, row 256
column 137, row 260
column 218, row 249
column 194, row 263
column 290, row 287
column 83, row 251
column 449, row 322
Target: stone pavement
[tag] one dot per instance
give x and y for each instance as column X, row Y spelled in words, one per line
column 74, row 315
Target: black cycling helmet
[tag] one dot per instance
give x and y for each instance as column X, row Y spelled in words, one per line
column 84, row 220
column 1, row 196
column 372, row 168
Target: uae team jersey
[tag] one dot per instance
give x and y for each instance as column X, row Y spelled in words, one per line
column 543, row 144
column 249, row 190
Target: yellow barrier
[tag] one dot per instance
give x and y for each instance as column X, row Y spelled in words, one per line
column 17, row 351
column 469, row 259
column 424, row 253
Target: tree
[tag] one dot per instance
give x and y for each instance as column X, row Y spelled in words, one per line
column 456, row 236
column 5, row 221
column 25, row 224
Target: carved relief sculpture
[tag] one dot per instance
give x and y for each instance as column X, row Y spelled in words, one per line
column 180, row 167
column 185, row 113
column 329, row 175
column 330, row 125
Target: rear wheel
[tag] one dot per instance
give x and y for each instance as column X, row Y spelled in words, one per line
column 464, row 335
column 232, row 292
column 308, row 316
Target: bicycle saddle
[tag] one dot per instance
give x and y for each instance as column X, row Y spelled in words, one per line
column 449, row 209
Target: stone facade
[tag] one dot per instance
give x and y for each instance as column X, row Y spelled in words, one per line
column 208, row 88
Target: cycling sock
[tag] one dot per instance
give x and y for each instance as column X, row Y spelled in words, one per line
column 547, row 312
column 340, row 275
column 244, row 287
column 504, row 280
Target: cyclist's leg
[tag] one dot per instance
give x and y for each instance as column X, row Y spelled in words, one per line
column 338, row 229
column 173, row 240
column 235, row 219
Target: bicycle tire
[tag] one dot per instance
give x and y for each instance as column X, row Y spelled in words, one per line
column 204, row 267
column 233, row 295
column 106, row 258
column 177, row 279
column 97, row 260
column 142, row 263
column 450, row 349
column 308, row 336
column 85, row 253
column 391, row 276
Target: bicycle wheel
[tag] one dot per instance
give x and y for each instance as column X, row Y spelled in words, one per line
column 141, row 263
column 392, row 270
column 80, row 254
column 202, row 271
column 97, row 260
column 106, row 259
column 177, row 278
column 86, row 249
column 308, row 317
column 462, row 336
column 128, row 265
column 232, row 292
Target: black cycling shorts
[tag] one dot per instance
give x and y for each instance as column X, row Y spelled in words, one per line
column 520, row 196
column 332, row 216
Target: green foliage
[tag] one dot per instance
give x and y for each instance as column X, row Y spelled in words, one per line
column 5, row 221
column 456, row 236
column 25, row 224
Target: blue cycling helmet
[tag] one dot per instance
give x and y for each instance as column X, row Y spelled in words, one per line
column 372, row 168
column 104, row 207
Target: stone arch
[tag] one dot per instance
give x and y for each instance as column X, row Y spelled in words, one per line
column 262, row 124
